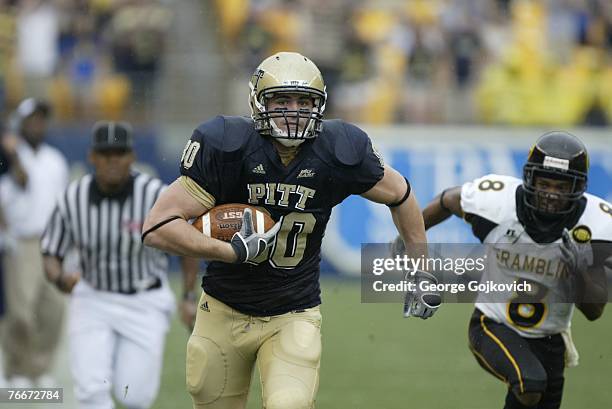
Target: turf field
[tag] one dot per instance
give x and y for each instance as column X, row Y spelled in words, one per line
column 374, row 358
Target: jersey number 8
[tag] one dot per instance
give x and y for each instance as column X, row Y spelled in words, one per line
column 488, row 184
column 528, row 314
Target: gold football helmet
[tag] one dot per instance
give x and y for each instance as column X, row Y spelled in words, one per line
column 287, row 72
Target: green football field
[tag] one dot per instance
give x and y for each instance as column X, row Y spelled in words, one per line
column 374, row 358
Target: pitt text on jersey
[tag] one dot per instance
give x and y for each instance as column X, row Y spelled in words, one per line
column 279, row 194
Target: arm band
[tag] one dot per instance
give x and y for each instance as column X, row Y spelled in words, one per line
column 406, row 195
column 442, row 205
column 158, row 225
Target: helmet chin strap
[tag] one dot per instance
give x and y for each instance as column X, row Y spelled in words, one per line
column 282, row 136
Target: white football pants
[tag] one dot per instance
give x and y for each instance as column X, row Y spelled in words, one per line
column 117, row 345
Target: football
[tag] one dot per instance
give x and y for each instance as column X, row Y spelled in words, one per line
column 221, row 222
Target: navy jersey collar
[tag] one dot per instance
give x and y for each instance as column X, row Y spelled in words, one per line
column 270, row 150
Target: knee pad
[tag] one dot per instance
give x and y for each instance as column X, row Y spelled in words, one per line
column 289, row 398
column 300, row 343
column 292, row 378
column 529, row 399
column 522, row 401
column 206, row 370
column 534, row 383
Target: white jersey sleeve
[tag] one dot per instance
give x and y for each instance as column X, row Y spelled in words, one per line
column 491, row 197
column 597, row 216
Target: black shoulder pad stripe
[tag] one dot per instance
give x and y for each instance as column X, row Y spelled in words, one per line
column 481, row 227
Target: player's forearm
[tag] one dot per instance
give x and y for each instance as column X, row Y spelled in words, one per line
column 409, row 222
column 190, row 267
column 180, row 238
column 434, row 215
column 442, row 207
column 166, row 229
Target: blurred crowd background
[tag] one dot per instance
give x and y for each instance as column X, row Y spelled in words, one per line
column 88, row 58
column 516, row 62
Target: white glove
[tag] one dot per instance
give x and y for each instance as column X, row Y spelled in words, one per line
column 422, row 304
column 247, row 244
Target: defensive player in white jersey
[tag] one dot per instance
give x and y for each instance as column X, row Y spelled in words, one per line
column 547, row 231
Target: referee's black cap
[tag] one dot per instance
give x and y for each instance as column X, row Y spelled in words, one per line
column 111, row 135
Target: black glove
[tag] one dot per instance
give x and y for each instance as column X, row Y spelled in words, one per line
column 247, row 244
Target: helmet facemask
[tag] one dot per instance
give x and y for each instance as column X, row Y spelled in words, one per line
column 265, row 118
column 549, row 203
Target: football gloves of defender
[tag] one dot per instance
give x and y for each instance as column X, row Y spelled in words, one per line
column 419, row 303
column 577, row 256
column 247, row 244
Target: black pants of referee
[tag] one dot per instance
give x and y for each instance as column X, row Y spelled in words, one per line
column 526, row 365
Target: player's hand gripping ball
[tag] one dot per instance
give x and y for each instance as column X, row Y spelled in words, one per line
column 221, row 222
column 250, row 230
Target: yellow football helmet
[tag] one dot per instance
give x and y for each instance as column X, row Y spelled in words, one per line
column 287, row 72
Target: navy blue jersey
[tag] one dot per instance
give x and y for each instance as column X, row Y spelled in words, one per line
column 235, row 164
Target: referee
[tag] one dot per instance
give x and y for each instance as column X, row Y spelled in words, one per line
column 121, row 303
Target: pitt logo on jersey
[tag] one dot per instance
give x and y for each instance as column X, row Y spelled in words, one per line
column 279, row 194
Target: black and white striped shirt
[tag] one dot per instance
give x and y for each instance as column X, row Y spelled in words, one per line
column 106, row 232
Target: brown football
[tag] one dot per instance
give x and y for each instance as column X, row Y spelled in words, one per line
column 221, row 222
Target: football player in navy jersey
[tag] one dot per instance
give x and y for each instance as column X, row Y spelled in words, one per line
column 261, row 295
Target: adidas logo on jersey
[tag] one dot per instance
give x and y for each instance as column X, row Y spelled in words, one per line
column 259, row 169
column 204, row 306
column 306, row 173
